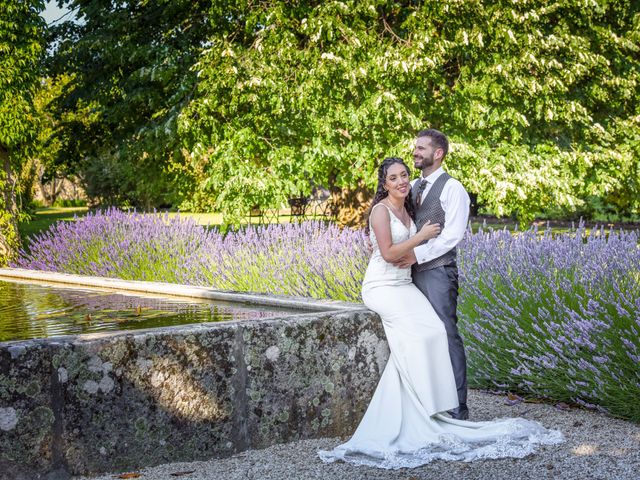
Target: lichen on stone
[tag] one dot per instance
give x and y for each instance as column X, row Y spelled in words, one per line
column 8, row 418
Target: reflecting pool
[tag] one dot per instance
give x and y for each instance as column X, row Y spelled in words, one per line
column 29, row 310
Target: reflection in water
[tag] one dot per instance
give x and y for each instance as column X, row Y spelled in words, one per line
column 37, row 311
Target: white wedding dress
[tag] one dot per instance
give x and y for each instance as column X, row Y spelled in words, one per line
column 403, row 426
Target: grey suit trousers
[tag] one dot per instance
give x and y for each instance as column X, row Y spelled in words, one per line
column 440, row 286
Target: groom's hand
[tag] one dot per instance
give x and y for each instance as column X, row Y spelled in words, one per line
column 406, row 261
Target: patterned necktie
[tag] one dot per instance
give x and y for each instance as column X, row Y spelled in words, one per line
column 421, row 187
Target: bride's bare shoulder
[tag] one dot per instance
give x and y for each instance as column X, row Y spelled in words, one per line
column 380, row 219
column 379, row 212
column 385, row 209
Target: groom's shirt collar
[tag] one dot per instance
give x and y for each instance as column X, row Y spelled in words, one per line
column 434, row 175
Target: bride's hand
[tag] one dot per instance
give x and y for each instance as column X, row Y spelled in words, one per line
column 429, row 230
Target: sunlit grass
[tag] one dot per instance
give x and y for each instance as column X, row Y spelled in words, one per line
column 47, row 216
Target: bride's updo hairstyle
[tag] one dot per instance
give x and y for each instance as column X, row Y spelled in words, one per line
column 381, row 193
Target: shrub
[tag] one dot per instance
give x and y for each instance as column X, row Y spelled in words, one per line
column 311, row 259
column 553, row 316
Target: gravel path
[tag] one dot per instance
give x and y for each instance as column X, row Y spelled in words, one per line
column 597, row 447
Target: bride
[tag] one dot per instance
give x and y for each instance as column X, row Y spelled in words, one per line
column 404, row 425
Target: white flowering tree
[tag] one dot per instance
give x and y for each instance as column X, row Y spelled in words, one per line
column 539, row 99
column 225, row 105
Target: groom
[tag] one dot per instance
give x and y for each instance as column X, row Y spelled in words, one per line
column 439, row 198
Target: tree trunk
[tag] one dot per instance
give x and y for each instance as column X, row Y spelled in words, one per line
column 55, row 190
column 351, row 205
column 9, row 238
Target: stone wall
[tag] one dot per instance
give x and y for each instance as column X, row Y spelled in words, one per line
column 113, row 402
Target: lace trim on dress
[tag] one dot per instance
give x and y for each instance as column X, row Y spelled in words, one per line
column 519, row 439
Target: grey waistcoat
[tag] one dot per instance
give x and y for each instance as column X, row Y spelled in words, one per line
column 431, row 209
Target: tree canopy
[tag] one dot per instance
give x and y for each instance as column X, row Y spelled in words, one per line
column 226, row 105
column 130, row 66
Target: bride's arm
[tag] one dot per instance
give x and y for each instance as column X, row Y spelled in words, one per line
column 380, row 223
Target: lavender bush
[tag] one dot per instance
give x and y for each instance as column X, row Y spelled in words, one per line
column 555, row 316
column 309, row 259
column 552, row 316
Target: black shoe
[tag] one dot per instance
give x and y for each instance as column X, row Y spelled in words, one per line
column 460, row 413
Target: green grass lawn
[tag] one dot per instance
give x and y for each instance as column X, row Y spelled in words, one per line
column 47, row 216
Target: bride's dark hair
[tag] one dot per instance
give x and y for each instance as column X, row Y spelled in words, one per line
column 381, row 193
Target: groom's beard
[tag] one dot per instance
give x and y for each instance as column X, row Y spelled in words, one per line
column 422, row 162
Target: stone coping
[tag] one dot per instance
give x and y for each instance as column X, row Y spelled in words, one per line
column 176, row 290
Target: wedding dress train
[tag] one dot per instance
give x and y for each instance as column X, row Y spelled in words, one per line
column 403, row 425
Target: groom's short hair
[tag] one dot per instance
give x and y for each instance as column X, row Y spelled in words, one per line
column 438, row 139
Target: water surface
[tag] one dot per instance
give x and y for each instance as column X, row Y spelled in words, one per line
column 29, row 310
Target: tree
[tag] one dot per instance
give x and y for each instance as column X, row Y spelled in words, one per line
column 21, row 49
column 545, row 104
column 228, row 105
column 130, row 66
column 540, row 100
column 46, row 166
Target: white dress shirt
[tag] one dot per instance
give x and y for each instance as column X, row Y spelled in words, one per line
column 455, row 203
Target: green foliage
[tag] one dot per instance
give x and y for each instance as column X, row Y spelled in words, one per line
column 21, row 30
column 39, row 162
column 21, row 48
column 228, row 105
column 130, row 76
column 548, row 96
column 539, row 99
column 48, row 144
column 299, row 95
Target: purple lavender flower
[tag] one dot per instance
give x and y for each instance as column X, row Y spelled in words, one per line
column 310, row 259
column 539, row 312
column 566, row 302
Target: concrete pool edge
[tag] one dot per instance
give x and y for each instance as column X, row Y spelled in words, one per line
column 177, row 290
